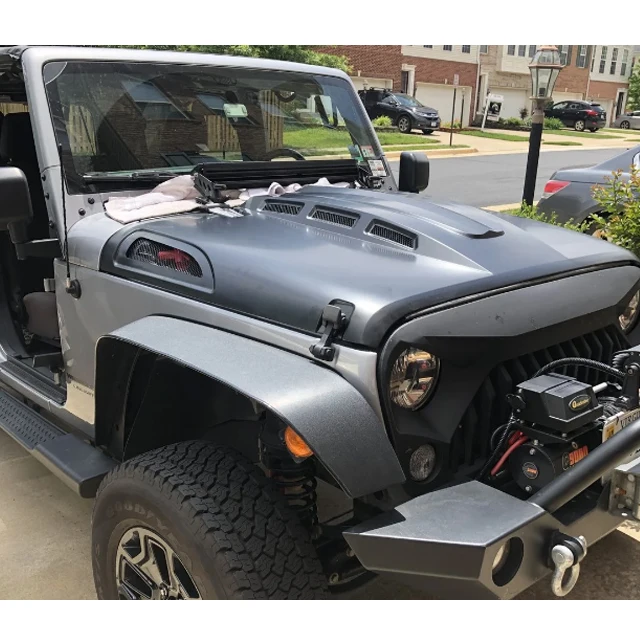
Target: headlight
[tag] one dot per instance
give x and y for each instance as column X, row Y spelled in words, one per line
column 413, row 378
column 630, row 316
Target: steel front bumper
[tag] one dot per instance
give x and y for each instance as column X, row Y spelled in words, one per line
column 449, row 542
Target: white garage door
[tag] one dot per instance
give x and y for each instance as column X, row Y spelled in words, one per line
column 361, row 82
column 440, row 97
column 609, row 107
column 514, row 101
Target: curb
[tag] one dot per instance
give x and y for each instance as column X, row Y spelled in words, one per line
column 498, row 208
column 434, row 153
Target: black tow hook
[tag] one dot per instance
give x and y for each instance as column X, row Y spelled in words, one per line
column 565, row 555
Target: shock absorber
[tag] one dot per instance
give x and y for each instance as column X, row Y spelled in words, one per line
column 294, row 479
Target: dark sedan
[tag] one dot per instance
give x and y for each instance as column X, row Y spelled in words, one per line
column 578, row 115
column 569, row 192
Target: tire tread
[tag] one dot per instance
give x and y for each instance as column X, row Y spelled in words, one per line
column 233, row 511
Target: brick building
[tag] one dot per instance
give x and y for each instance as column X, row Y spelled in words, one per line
column 505, row 71
column 426, row 71
column 608, row 85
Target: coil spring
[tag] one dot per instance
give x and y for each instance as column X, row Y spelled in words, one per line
column 297, row 483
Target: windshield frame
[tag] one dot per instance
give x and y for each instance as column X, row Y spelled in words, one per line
column 75, row 180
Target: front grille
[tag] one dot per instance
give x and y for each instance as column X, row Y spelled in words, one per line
column 489, row 408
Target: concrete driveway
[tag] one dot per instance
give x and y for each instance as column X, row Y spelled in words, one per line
column 45, row 545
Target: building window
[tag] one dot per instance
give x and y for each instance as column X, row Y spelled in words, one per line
column 466, row 48
column 565, row 54
column 511, row 49
column 428, row 46
column 447, row 47
column 603, row 59
column 532, row 50
column 625, row 59
column 484, row 48
column 154, row 104
column 581, row 59
column 614, row 61
column 522, row 50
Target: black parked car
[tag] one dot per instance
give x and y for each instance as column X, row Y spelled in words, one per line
column 578, row 115
column 405, row 112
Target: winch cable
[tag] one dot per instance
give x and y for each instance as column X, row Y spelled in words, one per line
column 496, row 452
column 581, row 362
column 518, row 443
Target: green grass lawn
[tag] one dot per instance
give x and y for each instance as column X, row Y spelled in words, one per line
column 566, row 132
column 564, row 143
column 315, row 138
column 495, row 136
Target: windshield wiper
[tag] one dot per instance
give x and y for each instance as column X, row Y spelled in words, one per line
column 135, row 177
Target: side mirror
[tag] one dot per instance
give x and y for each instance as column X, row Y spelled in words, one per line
column 414, row 172
column 15, row 201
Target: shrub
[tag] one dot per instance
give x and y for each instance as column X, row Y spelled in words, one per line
column 532, row 213
column 524, row 113
column 514, row 122
column 382, row 122
column 553, row 124
column 620, row 203
column 456, row 125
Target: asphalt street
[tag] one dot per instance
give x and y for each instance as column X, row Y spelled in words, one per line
column 487, row 180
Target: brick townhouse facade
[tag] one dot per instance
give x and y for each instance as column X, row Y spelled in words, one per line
column 426, row 71
column 592, row 72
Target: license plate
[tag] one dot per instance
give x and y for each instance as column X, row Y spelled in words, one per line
column 619, row 422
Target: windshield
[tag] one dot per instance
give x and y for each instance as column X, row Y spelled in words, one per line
column 408, row 101
column 131, row 117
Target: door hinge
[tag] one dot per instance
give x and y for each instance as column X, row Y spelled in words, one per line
column 334, row 322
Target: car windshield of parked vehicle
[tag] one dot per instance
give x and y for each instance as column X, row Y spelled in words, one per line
column 408, row 101
column 133, row 117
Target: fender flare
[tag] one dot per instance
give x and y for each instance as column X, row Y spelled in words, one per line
column 335, row 420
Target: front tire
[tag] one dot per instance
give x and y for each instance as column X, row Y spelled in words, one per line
column 579, row 125
column 194, row 520
column 404, row 124
column 625, row 124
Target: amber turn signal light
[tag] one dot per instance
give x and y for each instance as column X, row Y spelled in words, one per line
column 297, row 447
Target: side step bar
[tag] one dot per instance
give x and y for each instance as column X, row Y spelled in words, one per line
column 79, row 465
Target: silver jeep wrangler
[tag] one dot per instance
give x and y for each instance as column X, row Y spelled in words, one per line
column 208, row 318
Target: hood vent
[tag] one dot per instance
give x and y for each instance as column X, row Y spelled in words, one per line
column 393, row 234
column 160, row 255
column 288, row 208
column 332, row 217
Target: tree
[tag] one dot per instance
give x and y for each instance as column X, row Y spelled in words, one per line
column 634, row 87
column 291, row 52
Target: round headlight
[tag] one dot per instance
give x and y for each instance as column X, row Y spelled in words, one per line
column 629, row 318
column 413, row 378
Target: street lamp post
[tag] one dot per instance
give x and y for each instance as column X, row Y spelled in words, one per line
column 545, row 68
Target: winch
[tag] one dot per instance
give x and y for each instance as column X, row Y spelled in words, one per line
column 558, row 420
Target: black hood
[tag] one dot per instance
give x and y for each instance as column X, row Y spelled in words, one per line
column 389, row 255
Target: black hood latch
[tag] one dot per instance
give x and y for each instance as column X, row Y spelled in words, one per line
column 335, row 319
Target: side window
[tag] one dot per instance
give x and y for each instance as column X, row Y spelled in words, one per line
column 573, row 106
column 390, row 100
column 560, row 106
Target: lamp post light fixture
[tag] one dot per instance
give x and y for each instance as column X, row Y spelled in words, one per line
column 545, row 69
